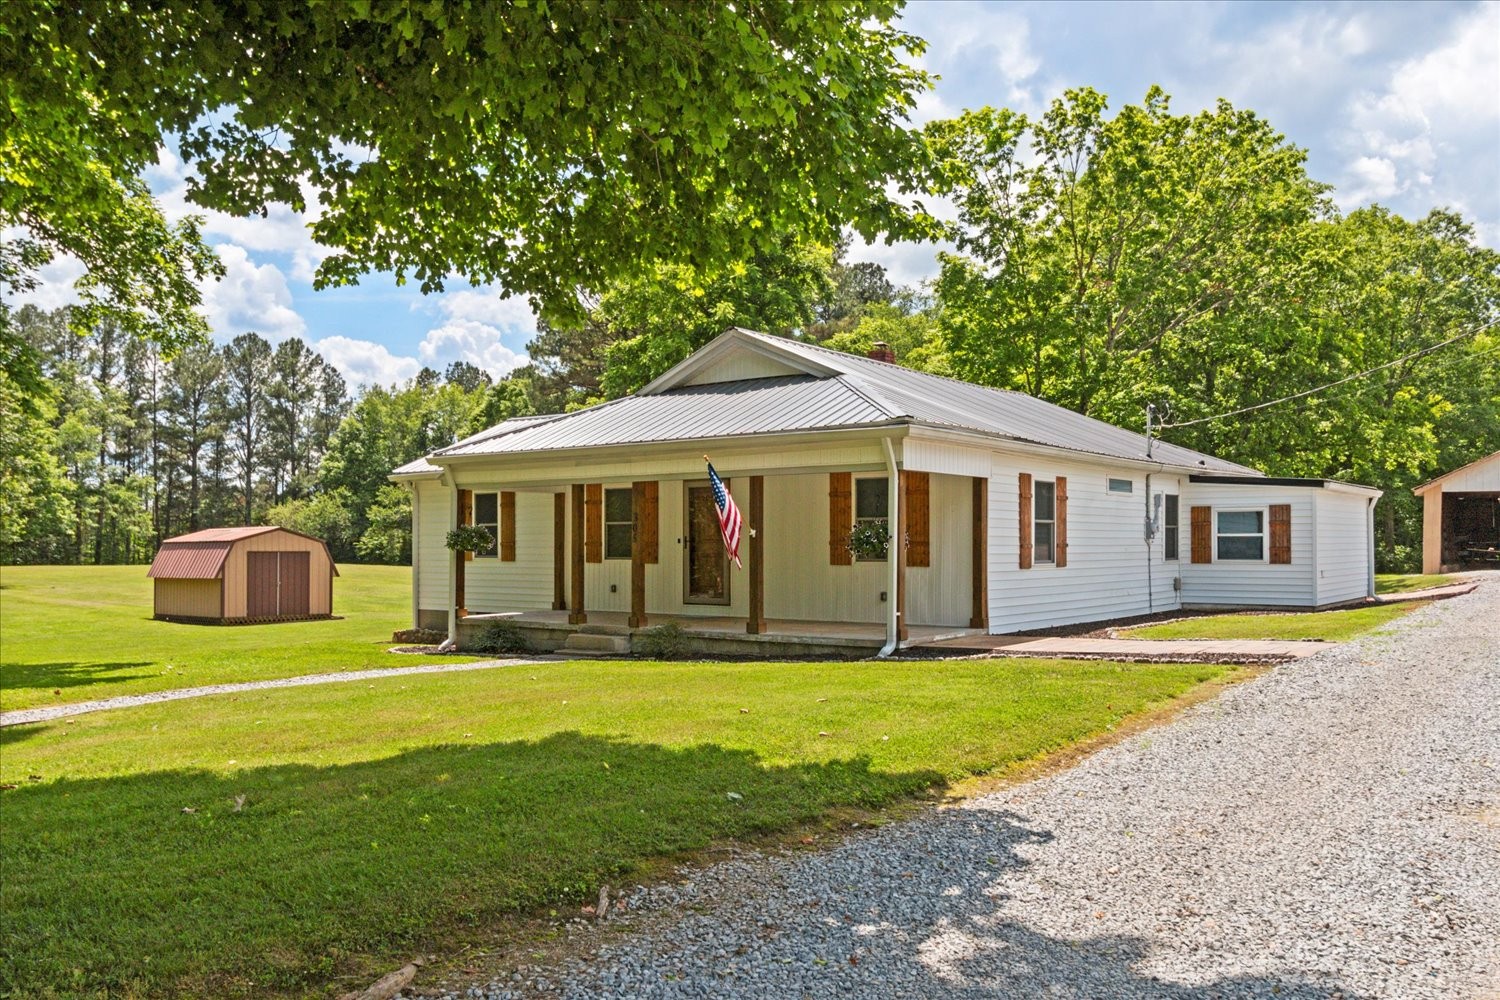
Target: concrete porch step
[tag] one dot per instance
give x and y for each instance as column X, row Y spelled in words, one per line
column 594, row 643
column 596, row 629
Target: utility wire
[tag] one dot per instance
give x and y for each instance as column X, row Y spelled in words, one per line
column 1349, row 378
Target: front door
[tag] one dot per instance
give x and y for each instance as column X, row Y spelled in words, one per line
column 707, row 564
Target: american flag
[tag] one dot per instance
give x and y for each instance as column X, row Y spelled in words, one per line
column 729, row 516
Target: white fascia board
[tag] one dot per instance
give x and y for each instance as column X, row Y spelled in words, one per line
column 1014, row 445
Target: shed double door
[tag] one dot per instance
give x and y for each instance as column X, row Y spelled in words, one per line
column 277, row 584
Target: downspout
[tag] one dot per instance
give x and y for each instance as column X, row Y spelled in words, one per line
column 1150, row 536
column 1370, row 547
column 893, row 518
column 416, row 555
column 451, row 642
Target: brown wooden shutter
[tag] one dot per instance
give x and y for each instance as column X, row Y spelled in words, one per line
column 918, row 518
column 593, row 516
column 840, row 517
column 1281, row 533
column 1203, row 536
column 1062, row 521
column 1025, row 525
column 507, row 527
column 466, row 514
column 650, row 518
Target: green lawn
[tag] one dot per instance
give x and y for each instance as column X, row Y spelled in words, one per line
column 76, row 633
column 1401, row 583
column 413, row 814
column 1334, row 626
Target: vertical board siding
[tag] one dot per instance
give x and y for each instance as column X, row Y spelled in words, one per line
column 1109, row 564
column 1252, row 584
column 1343, row 542
column 1060, row 526
column 525, row 583
column 293, row 597
column 507, row 526
column 432, row 557
column 187, row 598
column 1203, row 533
column 650, row 520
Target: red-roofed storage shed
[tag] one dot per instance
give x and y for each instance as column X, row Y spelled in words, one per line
column 237, row 576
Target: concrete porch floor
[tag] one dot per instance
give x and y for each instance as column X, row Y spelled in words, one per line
column 726, row 633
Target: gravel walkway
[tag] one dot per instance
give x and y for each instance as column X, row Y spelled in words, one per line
column 1331, row 829
column 24, row 715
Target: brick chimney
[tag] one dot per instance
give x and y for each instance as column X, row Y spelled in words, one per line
column 881, row 351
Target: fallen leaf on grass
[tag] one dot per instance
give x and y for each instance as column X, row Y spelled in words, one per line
column 239, row 803
column 189, row 810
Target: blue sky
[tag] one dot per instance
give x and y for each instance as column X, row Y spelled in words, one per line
column 1396, row 103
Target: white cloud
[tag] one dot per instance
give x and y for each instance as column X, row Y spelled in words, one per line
column 250, row 297
column 476, row 324
column 54, row 280
column 1373, row 178
column 364, row 362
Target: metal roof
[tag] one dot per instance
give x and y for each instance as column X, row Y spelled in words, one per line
column 839, row 391
column 419, row 467
column 223, row 534
column 179, row 560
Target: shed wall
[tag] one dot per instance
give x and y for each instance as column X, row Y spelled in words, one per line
column 320, row 583
column 187, row 598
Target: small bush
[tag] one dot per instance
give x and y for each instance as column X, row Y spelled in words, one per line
column 424, row 636
column 664, row 642
column 501, row 637
column 1398, row 559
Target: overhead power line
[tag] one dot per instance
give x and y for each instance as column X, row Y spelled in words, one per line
column 1323, row 388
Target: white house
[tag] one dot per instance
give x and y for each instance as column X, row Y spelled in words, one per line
column 1016, row 513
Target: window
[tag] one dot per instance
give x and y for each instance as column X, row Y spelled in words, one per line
column 487, row 516
column 872, row 506
column 1241, row 534
column 1122, row 485
column 618, row 523
column 1171, row 529
column 1044, row 522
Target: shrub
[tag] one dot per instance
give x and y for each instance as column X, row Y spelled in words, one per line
column 501, row 637
column 664, row 642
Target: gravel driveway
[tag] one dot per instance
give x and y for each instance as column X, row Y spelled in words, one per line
column 1331, row 829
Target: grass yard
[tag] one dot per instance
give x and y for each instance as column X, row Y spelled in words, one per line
column 76, row 633
column 385, row 819
column 1333, row 626
column 1403, row 583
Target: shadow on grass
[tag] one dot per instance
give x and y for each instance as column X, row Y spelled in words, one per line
column 40, row 676
column 330, row 872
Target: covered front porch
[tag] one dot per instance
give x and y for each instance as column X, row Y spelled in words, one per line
column 617, row 554
column 719, row 635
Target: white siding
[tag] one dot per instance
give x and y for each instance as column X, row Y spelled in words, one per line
column 432, row 501
column 741, row 365
column 1482, row 476
column 1108, row 560
column 1253, row 584
column 1343, row 547
column 939, row 456
column 526, row 583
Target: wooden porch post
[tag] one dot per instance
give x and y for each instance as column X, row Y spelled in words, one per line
column 979, row 617
column 559, row 550
column 898, row 539
column 637, row 617
column 757, row 623
column 576, row 614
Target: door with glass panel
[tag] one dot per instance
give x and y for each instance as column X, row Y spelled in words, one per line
column 706, row 564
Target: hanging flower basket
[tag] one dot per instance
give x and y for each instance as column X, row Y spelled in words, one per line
column 469, row 539
column 870, row 540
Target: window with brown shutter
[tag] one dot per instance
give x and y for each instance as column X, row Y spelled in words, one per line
column 1281, row 533
column 918, row 518
column 645, row 499
column 466, row 514
column 1025, row 525
column 1062, row 521
column 840, row 518
column 1202, row 531
column 593, row 522
column 507, row 527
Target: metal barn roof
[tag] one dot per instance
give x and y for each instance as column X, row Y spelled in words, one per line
column 834, row 391
column 200, row 555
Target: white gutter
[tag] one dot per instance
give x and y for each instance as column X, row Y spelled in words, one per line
column 892, row 621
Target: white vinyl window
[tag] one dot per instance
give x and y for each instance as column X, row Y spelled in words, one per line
column 487, row 516
column 872, row 505
column 1240, row 535
column 1044, row 522
column 618, row 523
column 1171, row 531
column 1121, row 485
